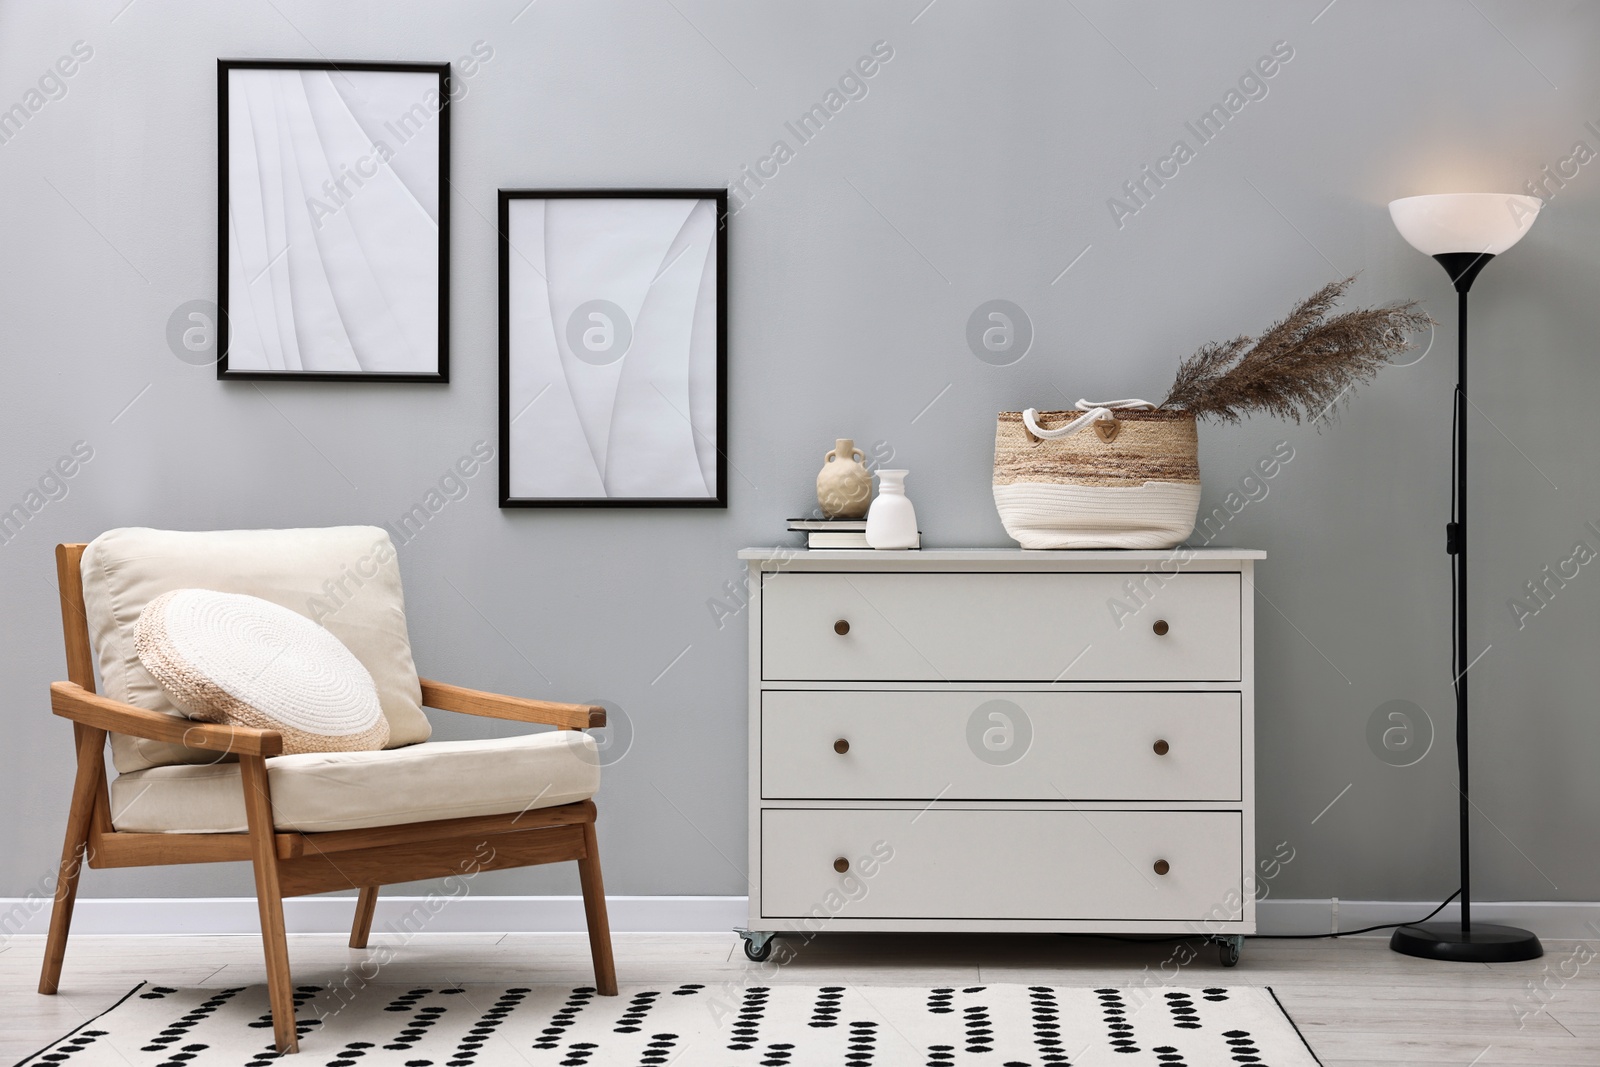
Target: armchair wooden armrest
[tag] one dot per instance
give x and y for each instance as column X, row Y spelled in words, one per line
column 102, row 713
column 518, row 709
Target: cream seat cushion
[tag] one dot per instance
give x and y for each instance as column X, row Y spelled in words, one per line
column 347, row 578
column 316, row 791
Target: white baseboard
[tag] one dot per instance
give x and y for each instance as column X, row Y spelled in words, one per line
column 1552, row 920
column 328, row 915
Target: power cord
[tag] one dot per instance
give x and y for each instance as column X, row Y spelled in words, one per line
column 1363, row 930
column 1273, row 937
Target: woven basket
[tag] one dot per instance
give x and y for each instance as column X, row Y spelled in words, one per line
column 1113, row 475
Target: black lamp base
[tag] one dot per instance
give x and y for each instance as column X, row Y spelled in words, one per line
column 1484, row 943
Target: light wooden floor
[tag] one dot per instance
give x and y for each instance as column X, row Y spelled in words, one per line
column 1357, row 1002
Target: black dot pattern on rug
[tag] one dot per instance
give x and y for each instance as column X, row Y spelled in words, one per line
column 351, row 1054
column 1244, row 1047
column 1116, row 1012
column 417, row 1025
column 1215, row 993
column 637, row 1009
column 157, row 992
column 827, row 1006
column 658, row 1051
column 1184, row 1014
column 1169, row 1056
column 939, row 1000
column 980, row 1035
column 1046, row 1024
column 420, row 1023
column 777, row 1055
column 563, row 1019
column 467, row 1050
column 941, row 1055
column 688, row 989
column 73, row 1045
column 183, row 1056
column 863, row 1040
column 578, row 1053
column 748, row 1024
column 406, row 1000
column 183, row 1024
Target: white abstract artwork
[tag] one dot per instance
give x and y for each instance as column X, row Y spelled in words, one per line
column 612, row 350
column 334, row 219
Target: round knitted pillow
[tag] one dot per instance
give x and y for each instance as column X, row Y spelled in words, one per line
column 231, row 658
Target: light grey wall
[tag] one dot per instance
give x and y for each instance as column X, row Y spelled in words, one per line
column 978, row 166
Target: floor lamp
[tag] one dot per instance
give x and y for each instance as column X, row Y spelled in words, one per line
column 1463, row 231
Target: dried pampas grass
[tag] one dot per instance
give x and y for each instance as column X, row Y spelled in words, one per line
column 1302, row 367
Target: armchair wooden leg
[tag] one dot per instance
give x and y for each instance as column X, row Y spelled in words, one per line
column 594, row 910
column 269, row 898
column 74, row 852
column 362, row 927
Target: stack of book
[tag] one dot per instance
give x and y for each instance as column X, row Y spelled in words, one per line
column 832, row 533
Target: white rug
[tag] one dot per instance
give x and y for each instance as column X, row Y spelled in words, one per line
column 696, row 1026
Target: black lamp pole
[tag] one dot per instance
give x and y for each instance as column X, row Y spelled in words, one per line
column 1464, row 941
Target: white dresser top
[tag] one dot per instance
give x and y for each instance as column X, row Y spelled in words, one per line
column 1003, row 555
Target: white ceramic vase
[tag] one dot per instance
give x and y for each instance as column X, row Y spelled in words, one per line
column 892, row 521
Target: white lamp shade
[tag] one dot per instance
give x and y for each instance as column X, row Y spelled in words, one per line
column 1464, row 222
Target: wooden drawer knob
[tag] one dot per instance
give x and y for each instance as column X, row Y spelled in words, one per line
column 1161, row 748
column 841, row 746
column 1161, row 627
column 841, row 865
column 841, row 627
column 1162, row 867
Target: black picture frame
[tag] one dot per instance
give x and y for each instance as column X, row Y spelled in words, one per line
column 441, row 372
column 719, row 197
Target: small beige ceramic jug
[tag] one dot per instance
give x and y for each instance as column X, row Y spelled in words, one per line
column 844, row 485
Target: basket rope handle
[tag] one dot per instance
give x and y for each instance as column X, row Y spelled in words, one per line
column 1093, row 411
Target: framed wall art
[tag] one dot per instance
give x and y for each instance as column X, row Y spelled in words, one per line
column 613, row 348
column 333, row 220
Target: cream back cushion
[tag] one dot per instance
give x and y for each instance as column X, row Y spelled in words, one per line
column 346, row 578
column 238, row 659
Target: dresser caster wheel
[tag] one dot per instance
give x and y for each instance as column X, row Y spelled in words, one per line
column 1228, row 948
column 757, row 944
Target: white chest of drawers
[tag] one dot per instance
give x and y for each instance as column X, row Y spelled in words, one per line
column 1000, row 740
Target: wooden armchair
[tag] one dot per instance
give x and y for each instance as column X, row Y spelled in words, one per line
column 297, row 863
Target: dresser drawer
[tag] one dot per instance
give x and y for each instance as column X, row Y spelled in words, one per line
column 999, row 627
column 995, row 864
column 1000, row 746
